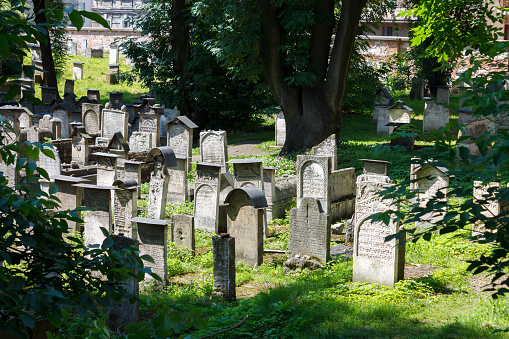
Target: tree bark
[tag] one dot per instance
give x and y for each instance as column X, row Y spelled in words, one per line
column 312, row 113
column 50, row 75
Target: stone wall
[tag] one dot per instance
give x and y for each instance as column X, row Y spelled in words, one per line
column 99, row 37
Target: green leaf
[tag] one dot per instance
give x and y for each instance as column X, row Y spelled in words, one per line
column 27, row 321
column 76, row 19
column 59, row 14
column 95, row 17
column 105, row 232
column 16, row 283
column 107, row 243
column 4, row 47
column 147, row 257
column 55, row 293
column 11, row 93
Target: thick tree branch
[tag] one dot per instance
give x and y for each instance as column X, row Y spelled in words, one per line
column 319, row 48
column 181, row 49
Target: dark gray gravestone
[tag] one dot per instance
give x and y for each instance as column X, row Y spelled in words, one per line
column 223, row 254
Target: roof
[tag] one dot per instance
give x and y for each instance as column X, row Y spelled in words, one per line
column 81, row 131
column 377, row 161
column 257, row 196
column 127, row 183
column 140, row 220
column 103, row 154
column 245, row 161
column 169, row 156
column 96, row 187
column 185, row 120
column 211, row 164
column 401, row 103
column 120, row 138
column 68, row 178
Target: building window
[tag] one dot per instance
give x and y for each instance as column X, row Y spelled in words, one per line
column 506, row 32
column 388, row 30
column 81, row 6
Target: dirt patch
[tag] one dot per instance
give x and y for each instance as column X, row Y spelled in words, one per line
column 244, row 148
column 252, row 288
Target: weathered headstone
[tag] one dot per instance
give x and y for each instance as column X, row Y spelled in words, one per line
column 9, row 172
column 269, row 188
column 382, row 120
column 430, row 180
column 25, row 118
column 11, row 115
column 153, row 241
column 399, row 113
column 417, row 90
column 116, row 100
column 51, row 166
column 113, row 54
column 92, row 118
column 374, row 259
column 280, row 126
column 180, row 137
column 435, row 116
column 177, row 188
column 70, row 197
column 223, row 258
column 443, row 95
column 327, row 148
column 310, row 231
column 49, row 94
column 74, row 48
column 106, row 168
column 121, row 314
column 182, row 230
column 69, row 86
column 162, row 159
column 80, row 145
column 149, row 123
column 94, row 96
column 247, row 172
column 140, row 142
column 113, row 121
column 342, row 190
column 245, row 223
column 313, row 174
column 125, row 206
column 226, row 185
column 132, row 170
column 59, row 112
column 206, row 195
column 117, row 145
column 77, row 70
column 485, row 195
column 96, row 52
column 213, row 147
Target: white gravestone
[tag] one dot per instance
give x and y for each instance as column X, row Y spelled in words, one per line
column 435, row 116
column 327, row 148
column 280, row 133
column 313, row 174
column 114, row 121
column 213, row 147
column 140, row 142
column 92, row 118
column 206, row 196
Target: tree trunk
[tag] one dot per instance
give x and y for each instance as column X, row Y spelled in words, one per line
column 50, row 75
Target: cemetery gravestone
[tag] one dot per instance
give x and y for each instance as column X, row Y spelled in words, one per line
column 374, row 259
column 92, row 118
column 25, row 118
column 106, row 168
column 113, row 54
column 180, row 137
column 247, row 172
column 94, row 96
column 153, row 240
column 327, row 148
column 226, row 185
column 69, row 86
column 51, row 166
column 206, row 195
column 162, row 158
column 486, row 197
column 177, row 189
column 223, row 258
column 140, row 142
column 313, row 174
column 149, row 123
column 182, row 231
column 269, row 188
column 60, row 113
column 49, row 94
column 125, row 206
column 77, row 70
column 342, row 190
column 70, row 197
column 80, row 145
column 245, row 223
column 435, row 116
column 113, row 121
column 443, row 95
column 309, row 232
column 116, row 100
column 213, row 147
column 280, row 127
column 399, row 113
column 383, row 120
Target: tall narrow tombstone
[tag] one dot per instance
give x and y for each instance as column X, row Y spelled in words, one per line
column 77, row 70
column 132, row 170
column 310, row 231
column 443, row 95
column 162, row 159
column 153, row 241
column 177, row 188
column 383, row 100
column 313, row 174
column 280, row 130
column 98, row 199
column 342, row 190
column 113, row 121
column 140, row 142
column 94, row 96
column 74, row 48
column 399, row 113
column 213, row 147
column 125, row 207
column 70, row 197
column 59, row 112
column 182, row 231
column 269, row 188
column 35, row 51
column 25, row 118
column 92, row 118
column 69, row 86
column 106, row 168
column 327, row 148
column 51, row 166
column 117, row 100
column 245, row 223
column 180, row 137
column 223, row 258
column 113, row 54
column 435, row 116
column 374, row 259
column 121, row 314
column 206, row 195
column 80, row 145
column 149, row 123
column 382, row 120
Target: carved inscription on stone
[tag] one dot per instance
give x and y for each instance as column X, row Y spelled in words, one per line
column 100, row 216
column 178, row 140
column 205, row 210
column 327, row 148
column 52, row 166
column 313, row 179
column 249, row 174
column 113, row 121
column 431, row 180
column 177, row 189
column 183, row 230
column 124, row 210
column 158, row 190
column 153, row 241
column 91, row 122
column 140, row 142
column 213, row 147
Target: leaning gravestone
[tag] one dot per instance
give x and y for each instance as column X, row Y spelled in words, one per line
column 374, row 259
column 182, row 230
column 162, row 158
column 309, row 232
column 213, row 147
column 70, row 197
column 153, row 241
column 125, row 206
column 244, row 214
column 92, row 118
column 313, row 174
column 435, row 116
column 177, row 188
column 280, row 127
column 206, row 196
column 223, row 258
column 121, row 314
column 327, row 148
column 113, row 121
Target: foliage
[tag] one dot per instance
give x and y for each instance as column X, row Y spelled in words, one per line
column 42, row 274
column 58, row 37
column 399, row 69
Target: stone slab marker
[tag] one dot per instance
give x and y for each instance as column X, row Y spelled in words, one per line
column 69, row 86
column 140, row 142
column 70, row 196
column 125, row 207
column 52, row 166
column 280, row 130
column 113, row 121
column 77, row 70
column 11, row 114
column 177, row 188
column 247, row 172
column 106, row 168
column 374, row 260
column 132, row 170
column 383, row 120
column 223, row 257
column 113, row 54
column 435, row 116
column 80, row 145
column 245, row 223
column 98, row 199
column 92, row 118
column 162, row 158
column 269, row 189
column 313, row 174
column 182, row 230
column 149, row 123
column 342, row 186
column 124, row 313
column 485, row 195
column 116, row 100
column 94, row 95
column 443, row 95
column 310, row 230
column 180, row 137
column 213, row 147
column 60, row 113
column 206, row 195
column 399, row 113
column 327, row 148
column 153, row 240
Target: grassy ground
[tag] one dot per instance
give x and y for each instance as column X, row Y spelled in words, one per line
column 447, row 303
